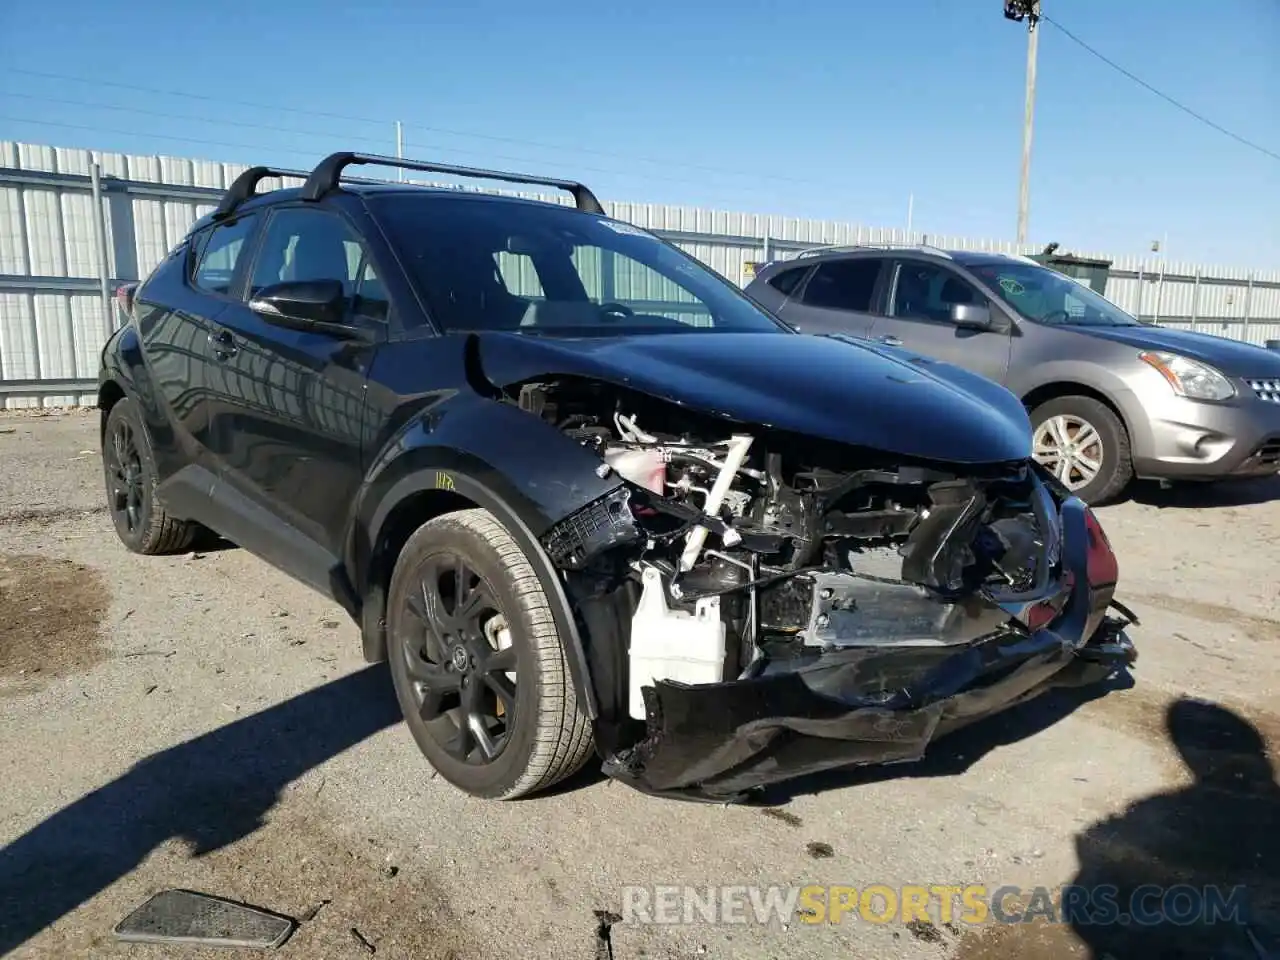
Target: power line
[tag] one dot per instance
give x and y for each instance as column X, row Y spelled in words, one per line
column 347, row 118
column 311, row 154
column 209, row 98
column 141, row 111
column 1161, row 94
column 337, row 140
column 157, row 136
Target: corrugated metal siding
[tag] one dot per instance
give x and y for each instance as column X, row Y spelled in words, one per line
column 49, row 232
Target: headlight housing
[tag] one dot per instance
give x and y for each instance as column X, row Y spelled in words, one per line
column 1189, row 378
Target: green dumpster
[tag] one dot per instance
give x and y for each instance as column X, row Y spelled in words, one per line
column 1093, row 273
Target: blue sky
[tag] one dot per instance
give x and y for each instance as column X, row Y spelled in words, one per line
column 835, row 109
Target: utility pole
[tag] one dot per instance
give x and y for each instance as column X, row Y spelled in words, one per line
column 1028, row 10
column 1159, row 247
column 400, row 148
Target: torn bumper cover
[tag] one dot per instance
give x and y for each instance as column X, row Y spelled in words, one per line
column 881, row 704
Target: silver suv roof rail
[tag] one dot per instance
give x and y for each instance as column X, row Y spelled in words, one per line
column 879, row 245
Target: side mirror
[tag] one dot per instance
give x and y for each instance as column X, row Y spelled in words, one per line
column 969, row 316
column 316, row 306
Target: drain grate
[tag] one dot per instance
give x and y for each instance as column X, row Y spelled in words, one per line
column 184, row 916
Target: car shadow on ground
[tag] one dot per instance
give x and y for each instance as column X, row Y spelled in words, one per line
column 1206, row 496
column 954, row 754
column 1156, row 860
column 210, row 791
column 206, row 541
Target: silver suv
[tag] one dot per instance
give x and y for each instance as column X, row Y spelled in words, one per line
column 1109, row 397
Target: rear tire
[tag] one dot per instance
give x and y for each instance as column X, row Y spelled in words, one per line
column 129, row 468
column 1073, row 436
column 458, row 702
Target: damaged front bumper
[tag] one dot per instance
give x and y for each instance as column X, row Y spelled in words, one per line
column 882, row 703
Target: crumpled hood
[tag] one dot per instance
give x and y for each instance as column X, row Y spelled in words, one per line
column 1232, row 357
column 847, row 391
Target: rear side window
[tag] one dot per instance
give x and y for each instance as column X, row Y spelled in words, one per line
column 843, row 285
column 218, row 254
column 786, row 281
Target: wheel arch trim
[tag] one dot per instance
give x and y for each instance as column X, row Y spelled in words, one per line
column 481, row 495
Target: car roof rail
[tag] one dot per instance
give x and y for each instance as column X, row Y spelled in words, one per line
column 244, row 187
column 826, row 248
column 328, row 173
column 871, row 245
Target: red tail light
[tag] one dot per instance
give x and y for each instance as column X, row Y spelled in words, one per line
column 1041, row 615
column 124, row 299
column 1103, row 568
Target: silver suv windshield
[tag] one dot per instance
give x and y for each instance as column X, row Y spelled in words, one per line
column 1046, row 296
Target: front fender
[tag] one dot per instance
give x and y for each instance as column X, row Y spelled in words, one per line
column 511, row 463
column 1095, row 376
column 539, row 473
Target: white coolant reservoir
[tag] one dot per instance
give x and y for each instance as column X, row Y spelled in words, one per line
column 644, row 468
column 671, row 644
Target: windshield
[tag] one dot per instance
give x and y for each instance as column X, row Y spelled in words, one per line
column 532, row 268
column 1046, row 296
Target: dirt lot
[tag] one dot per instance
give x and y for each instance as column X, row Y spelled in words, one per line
column 203, row 721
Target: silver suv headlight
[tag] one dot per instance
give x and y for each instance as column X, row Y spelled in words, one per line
column 1190, row 378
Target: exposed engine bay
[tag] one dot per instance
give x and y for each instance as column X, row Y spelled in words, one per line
column 739, row 554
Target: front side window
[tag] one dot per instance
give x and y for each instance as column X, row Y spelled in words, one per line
column 309, row 244
column 218, row 254
column 488, row 264
column 843, row 284
column 1046, row 296
column 928, row 291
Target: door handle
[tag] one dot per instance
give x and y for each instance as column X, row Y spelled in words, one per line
column 223, row 344
column 889, row 340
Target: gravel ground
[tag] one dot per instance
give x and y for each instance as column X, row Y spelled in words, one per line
column 203, row 721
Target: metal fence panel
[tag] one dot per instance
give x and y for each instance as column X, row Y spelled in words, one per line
column 1262, row 331
column 59, row 251
column 18, row 344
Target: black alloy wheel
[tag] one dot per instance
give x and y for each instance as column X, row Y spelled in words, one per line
column 129, row 468
column 463, row 673
column 477, row 662
column 127, row 496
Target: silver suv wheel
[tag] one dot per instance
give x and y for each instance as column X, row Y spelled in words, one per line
column 1084, row 444
column 1071, row 448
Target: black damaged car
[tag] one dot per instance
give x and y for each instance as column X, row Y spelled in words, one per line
column 587, row 497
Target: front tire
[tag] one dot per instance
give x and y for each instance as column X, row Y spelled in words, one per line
column 1085, row 445
column 477, row 662
column 129, row 468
